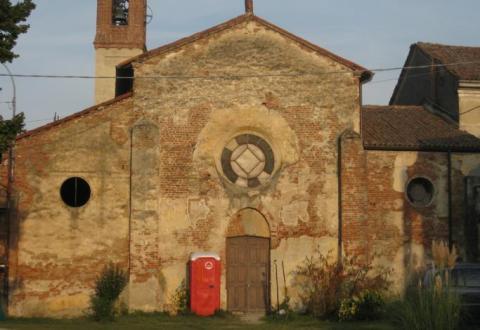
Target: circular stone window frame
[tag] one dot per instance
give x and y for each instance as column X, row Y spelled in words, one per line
column 434, row 191
column 75, row 207
column 220, row 150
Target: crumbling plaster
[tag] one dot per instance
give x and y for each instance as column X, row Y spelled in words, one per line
column 158, row 194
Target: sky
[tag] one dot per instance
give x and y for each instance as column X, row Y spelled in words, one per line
column 372, row 33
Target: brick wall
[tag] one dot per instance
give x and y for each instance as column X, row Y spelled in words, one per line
column 161, row 196
column 56, row 251
column 132, row 35
column 378, row 219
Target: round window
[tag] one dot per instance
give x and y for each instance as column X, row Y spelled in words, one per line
column 248, row 161
column 75, row 192
column 420, row 191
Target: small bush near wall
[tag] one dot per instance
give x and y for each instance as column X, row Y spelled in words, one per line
column 368, row 305
column 108, row 287
column 348, row 291
column 180, row 299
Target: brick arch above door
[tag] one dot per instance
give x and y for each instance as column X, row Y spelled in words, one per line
column 248, row 222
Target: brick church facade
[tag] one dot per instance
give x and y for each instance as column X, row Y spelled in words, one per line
column 237, row 140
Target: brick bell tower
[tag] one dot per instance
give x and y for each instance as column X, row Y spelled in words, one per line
column 121, row 34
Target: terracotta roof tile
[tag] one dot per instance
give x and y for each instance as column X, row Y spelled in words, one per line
column 455, row 54
column 412, row 128
column 365, row 74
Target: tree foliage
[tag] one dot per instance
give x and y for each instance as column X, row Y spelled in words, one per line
column 11, row 26
column 12, row 17
column 9, row 130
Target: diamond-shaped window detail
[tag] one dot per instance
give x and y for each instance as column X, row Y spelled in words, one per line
column 238, row 151
column 248, row 161
column 239, row 171
column 257, row 152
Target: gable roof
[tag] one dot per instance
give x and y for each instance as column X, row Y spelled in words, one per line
column 446, row 54
column 412, row 128
column 76, row 115
column 365, row 74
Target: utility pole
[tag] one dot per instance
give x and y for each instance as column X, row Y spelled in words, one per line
column 11, row 154
column 11, row 163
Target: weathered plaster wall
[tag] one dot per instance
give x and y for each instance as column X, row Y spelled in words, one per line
column 401, row 232
column 379, row 221
column 152, row 161
column 469, row 103
column 300, row 116
column 57, row 251
column 158, row 192
column 106, row 60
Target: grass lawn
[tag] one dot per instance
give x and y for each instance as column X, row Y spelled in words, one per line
column 160, row 321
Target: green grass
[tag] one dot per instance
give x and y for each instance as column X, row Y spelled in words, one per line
column 161, row 321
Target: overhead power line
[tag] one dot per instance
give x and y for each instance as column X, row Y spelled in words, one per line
column 396, row 78
column 52, row 76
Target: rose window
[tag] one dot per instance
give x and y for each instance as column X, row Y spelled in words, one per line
column 248, row 161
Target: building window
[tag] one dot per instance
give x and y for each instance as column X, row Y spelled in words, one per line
column 420, row 191
column 75, row 192
column 248, row 161
column 120, row 12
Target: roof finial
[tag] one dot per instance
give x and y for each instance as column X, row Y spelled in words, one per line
column 249, row 6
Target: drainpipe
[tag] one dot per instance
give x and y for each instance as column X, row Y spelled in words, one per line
column 340, row 202
column 130, row 211
column 449, row 191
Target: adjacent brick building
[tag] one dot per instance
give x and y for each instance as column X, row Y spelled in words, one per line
column 243, row 140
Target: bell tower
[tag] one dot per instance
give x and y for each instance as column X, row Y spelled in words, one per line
column 121, row 34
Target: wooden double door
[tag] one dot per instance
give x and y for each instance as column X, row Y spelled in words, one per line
column 248, row 274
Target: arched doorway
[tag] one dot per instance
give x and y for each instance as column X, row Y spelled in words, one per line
column 248, row 262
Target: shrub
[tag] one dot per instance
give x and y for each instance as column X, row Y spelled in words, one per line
column 318, row 282
column 323, row 284
column 108, row 287
column 180, row 299
column 369, row 305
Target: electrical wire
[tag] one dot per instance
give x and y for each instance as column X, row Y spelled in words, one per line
column 51, row 76
column 244, row 76
column 396, row 78
column 38, row 120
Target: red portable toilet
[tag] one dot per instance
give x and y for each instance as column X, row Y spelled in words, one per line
column 204, row 283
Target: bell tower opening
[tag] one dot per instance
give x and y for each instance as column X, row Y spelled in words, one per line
column 121, row 34
column 120, row 12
